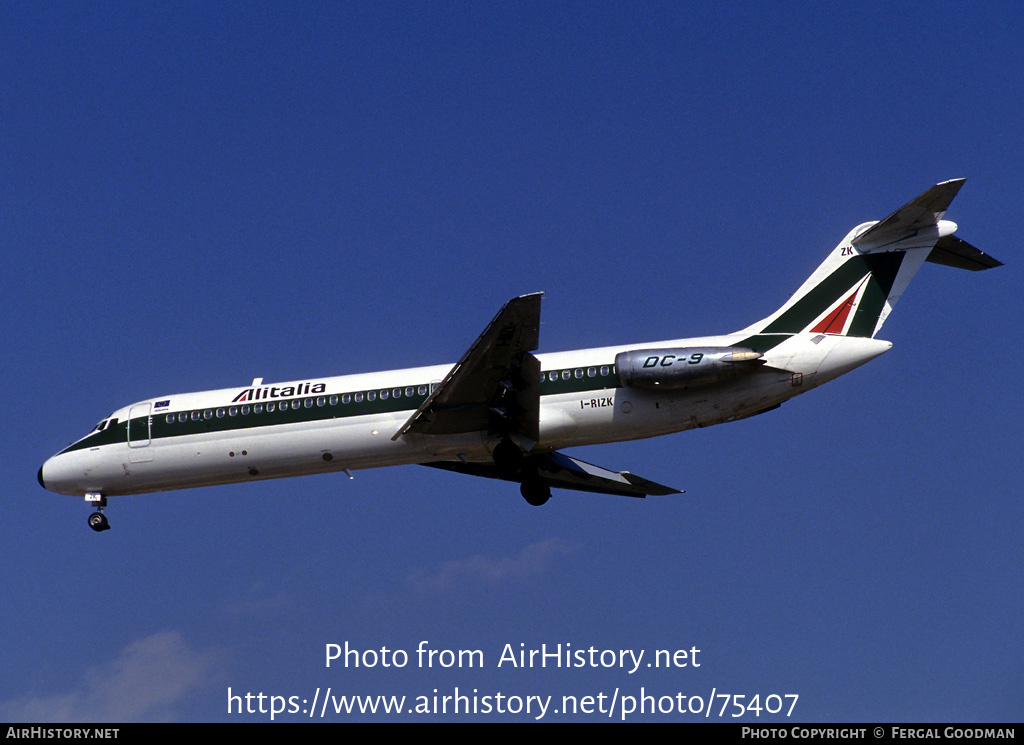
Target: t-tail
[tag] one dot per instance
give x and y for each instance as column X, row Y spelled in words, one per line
column 855, row 289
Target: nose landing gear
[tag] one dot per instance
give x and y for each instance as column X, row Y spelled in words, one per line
column 97, row 520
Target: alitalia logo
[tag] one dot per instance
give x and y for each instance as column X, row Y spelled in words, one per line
column 287, row 391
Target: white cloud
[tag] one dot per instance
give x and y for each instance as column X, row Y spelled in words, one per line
column 487, row 570
column 258, row 600
column 145, row 682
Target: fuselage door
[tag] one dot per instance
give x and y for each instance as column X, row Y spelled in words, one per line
column 139, row 423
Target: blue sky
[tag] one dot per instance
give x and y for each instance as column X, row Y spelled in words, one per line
column 197, row 194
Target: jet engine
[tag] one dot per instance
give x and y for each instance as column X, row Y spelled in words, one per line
column 683, row 367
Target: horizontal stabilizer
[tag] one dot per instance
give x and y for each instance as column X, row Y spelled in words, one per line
column 924, row 211
column 952, row 251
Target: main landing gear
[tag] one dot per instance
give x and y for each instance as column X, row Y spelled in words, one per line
column 514, row 464
column 97, row 520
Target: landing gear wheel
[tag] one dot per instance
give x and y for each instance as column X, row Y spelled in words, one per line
column 98, row 522
column 535, row 492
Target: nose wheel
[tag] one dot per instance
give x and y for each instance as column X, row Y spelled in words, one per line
column 97, row 520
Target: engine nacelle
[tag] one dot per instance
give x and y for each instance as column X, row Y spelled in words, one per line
column 683, row 367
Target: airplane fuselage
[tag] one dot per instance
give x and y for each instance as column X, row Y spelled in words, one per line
column 346, row 423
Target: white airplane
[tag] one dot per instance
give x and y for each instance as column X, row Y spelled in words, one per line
column 503, row 412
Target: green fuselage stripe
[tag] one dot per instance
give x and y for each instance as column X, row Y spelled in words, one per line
column 305, row 409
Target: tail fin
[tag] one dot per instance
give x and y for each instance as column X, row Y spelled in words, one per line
column 855, row 289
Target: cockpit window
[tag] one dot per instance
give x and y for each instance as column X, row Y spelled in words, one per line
column 105, row 424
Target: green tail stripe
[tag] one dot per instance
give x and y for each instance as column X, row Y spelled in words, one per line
column 872, row 301
column 883, row 268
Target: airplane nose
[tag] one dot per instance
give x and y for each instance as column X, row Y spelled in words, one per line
column 52, row 476
column 69, row 473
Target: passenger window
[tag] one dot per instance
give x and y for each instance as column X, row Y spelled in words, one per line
column 359, row 397
column 258, row 408
column 195, row 416
column 220, row 413
column 371, row 395
column 183, row 416
column 383, row 395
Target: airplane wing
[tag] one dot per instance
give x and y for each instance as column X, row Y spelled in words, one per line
column 495, row 387
column 563, row 472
